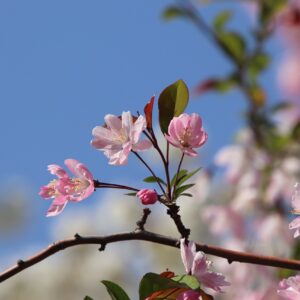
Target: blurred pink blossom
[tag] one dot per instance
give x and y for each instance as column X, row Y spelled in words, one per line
column 64, row 188
column 289, row 73
column 147, row 196
column 289, row 288
column 119, row 136
column 185, row 132
column 295, row 224
column 196, row 264
column 287, row 24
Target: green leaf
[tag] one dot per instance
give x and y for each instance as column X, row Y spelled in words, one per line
column 268, row 8
column 171, row 103
column 257, row 64
column 131, row 194
column 181, row 174
column 152, row 282
column 115, row 291
column 173, row 12
column 152, row 179
column 186, row 195
column 234, row 44
column 190, row 281
column 187, row 176
column 280, row 106
column 221, row 19
column 87, row 298
column 182, row 188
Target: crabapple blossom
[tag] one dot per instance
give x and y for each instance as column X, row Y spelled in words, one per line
column 295, row 224
column 196, row 264
column 147, row 196
column 119, row 136
column 64, row 188
column 185, row 132
column 289, row 288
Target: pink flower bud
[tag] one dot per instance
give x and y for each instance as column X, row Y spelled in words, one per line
column 147, row 196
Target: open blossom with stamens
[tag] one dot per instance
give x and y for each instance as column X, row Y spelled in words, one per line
column 197, row 265
column 119, row 136
column 295, row 224
column 185, row 132
column 289, row 288
column 65, row 188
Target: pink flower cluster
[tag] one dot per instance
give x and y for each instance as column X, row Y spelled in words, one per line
column 197, row 265
column 289, row 288
column 295, row 224
column 64, row 188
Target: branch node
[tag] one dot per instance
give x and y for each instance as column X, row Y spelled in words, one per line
column 20, row 262
column 141, row 223
column 77, row 236
column 102, row 247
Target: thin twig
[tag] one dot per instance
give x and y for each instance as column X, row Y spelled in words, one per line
column 151, row 171
column 230, row 255
column 141, row 223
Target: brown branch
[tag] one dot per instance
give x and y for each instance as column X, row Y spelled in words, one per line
column 230, row 255
column 142, row 222
column 173, row 213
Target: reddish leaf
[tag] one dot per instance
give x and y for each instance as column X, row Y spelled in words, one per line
column 148, row 112
column 168, row 294
column 167, row 274
column 205, row 86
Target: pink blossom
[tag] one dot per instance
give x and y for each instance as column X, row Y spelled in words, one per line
column 185, row 132
column 64, row 188
column 289, row 288
column 295, row 224
column 119, row 136
column 287, row 23
column 189, row 295
column 147, row 196
column 196, row 264
column 289, row 73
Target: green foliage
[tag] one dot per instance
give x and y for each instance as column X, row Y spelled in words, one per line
column 233, row 44
column 180, row 174
column 187, row 176
column 268, row 8
column 221, row 20
column 152, row 179
column 191, row 281
column 182, row 189
column 152, row 282
column 173, row 12
column 133, row 194
column 257, row 64
column 115, row 291
column 171, row 103
column 87, row 298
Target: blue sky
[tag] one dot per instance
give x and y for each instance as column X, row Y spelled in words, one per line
column 65, row 64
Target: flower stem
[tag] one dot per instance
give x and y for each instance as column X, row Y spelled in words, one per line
column 176, row 178
column 99, row 184
column 151, row 171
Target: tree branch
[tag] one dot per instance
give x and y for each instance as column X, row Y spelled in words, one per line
column 230, row 255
